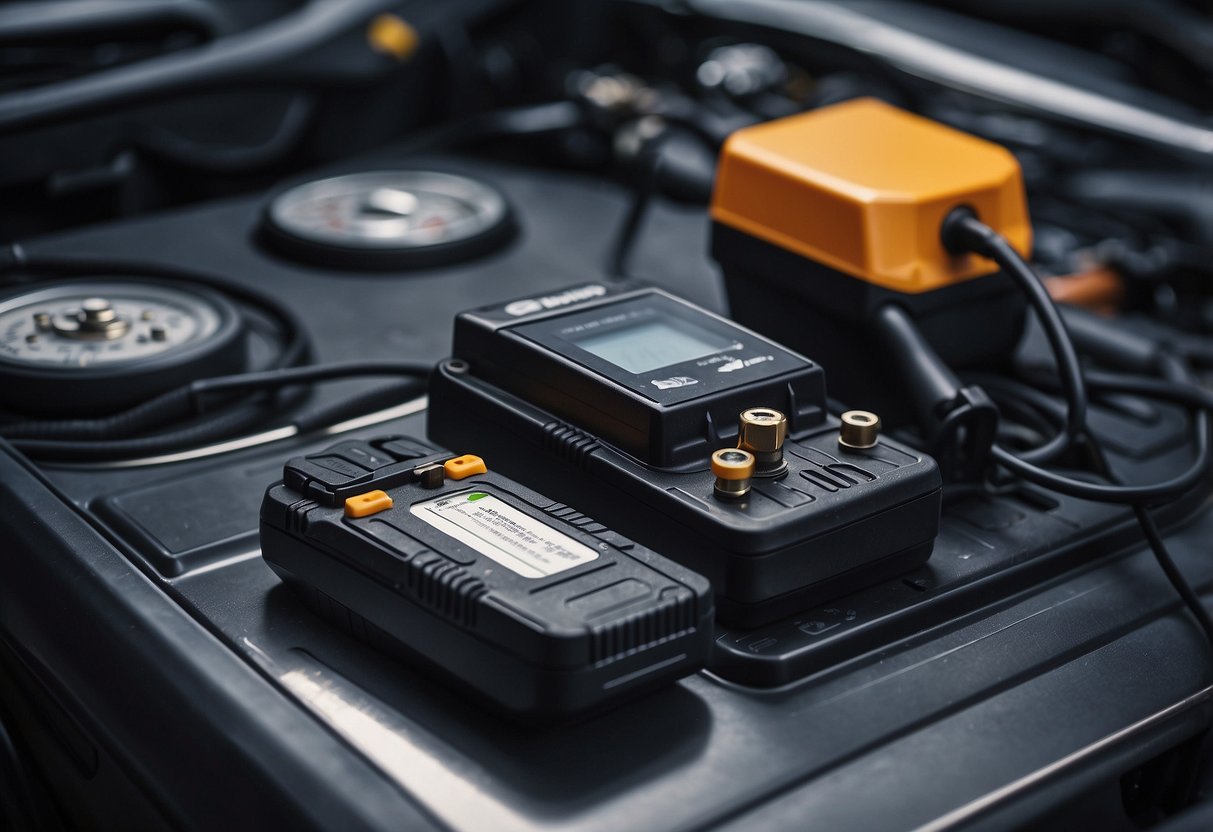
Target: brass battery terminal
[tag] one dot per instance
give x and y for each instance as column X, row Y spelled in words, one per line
column 762, row 432
column 859, row 429
column 734, row 470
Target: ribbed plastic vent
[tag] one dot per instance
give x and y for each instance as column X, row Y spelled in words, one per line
column 837, row 476
column 568, row 443
column 636, row 632
column 296, row 515
column 444, row 587
column 572, row 515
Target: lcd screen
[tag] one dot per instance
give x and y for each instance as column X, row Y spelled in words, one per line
column 647, row 346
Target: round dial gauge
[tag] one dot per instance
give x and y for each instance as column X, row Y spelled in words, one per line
column 389, row 219
column 96, row 346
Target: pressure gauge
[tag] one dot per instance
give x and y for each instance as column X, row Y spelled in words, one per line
column 94, row 346
column 389, row 219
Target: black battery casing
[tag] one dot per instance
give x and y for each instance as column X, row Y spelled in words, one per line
column 830, row 315
column 542, row 648
column 841, row 518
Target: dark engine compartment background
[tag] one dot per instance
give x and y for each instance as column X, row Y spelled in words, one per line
column 1037, row 670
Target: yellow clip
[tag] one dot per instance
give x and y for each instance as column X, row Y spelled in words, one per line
column 464, row 466
column 364, row 505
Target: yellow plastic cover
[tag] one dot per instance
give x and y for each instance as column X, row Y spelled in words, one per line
column 863, row 187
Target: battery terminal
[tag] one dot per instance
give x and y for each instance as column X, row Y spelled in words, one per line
column 859, row 429
column 734, row 470
column 762, row 432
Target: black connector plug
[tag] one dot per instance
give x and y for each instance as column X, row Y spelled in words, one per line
column 958, row 422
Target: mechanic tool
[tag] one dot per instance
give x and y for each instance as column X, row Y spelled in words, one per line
column 827, row 227
column 697, row 437
column 521, row 600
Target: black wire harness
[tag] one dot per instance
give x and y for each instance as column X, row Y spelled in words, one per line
column 963, row 232
column 205, row 410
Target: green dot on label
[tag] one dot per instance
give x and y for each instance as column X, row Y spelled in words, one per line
column 476, row 495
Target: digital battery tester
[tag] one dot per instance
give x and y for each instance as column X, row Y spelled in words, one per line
column 699, row 438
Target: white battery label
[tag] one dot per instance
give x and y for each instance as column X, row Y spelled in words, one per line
column 501, row 532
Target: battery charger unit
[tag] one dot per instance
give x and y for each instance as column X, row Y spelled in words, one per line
column 824, row 221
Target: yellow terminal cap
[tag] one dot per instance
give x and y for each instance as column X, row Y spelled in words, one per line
column 364, row 505
column 863, row 187
column 464, row 466
column 391, row 35
column 733, row 464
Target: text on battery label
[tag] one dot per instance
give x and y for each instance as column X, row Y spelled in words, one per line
column 503, row 533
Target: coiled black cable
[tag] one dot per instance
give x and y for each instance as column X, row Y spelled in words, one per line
column 961, row 232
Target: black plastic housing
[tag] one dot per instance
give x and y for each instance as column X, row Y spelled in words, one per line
column 525, row 347
column 829, row 315
column 543, row 647
column 840, row 519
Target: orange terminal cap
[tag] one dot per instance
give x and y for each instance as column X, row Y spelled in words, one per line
column 733, row 464
column 364, row 505
column 464, row 466
column 863, row 187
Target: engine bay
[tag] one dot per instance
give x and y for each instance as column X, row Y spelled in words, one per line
column 915, row 584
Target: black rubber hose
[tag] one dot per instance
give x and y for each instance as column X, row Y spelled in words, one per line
column 25, row 24
column 287, row 51
column 165, row 145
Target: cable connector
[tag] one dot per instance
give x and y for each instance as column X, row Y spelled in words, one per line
column 961, row 232
column 959, row 423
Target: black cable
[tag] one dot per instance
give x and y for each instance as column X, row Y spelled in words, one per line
column 15, row 259
column 191, row 399
column 163, row 144
column 315, row 44
column 672, row 165
column 1166, row 390
column 1165, row 562
column 1120, row 494
column 222, row 424
column 275, row 379
column 60, row 439
column 113, row 437
column 962, row 231
column 1200, row 401
column 1159, row 548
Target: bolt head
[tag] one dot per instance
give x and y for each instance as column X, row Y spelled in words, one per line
column 762, row 430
